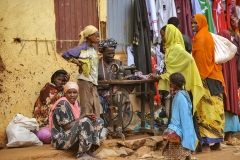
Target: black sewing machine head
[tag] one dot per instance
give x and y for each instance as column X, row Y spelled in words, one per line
column 118, row 71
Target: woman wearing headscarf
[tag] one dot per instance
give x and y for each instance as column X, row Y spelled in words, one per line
column 210, row 111
column 107, row 48
column 231, row 100
column 70, row 128
column 177, row 59
column 49, row 94
column 86, row 58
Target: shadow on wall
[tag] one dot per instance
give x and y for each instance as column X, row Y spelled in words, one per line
column 2, row 69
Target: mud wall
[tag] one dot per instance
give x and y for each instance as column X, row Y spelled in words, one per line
column 25, row 67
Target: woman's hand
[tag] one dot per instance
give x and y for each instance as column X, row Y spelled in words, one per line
column 91, row 116
column 154, row 76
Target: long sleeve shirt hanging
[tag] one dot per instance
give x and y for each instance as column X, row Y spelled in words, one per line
column 218, row 15
column 152, row 18
column 165, row 10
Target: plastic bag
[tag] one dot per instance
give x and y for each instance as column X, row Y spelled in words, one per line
column 19, row 134
column 224, row 49
column 44, row 135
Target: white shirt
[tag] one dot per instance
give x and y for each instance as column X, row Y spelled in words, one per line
column 152, row 18
column 165, row 9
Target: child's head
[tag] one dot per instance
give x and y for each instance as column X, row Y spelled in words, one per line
column 177, row 80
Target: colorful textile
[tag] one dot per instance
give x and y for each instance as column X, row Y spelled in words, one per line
column 81, row 135
column 74, row 109
column 236, row 41
column 230, row 78
column 181, row 120
column 106, row 44
column 49, row 94
column 210, row 116
column 89, row 100
column 88, row 30
column 219, row 15
column 232, row 123
column 196, row 8
column 204, row 56
column 176, row 151
column 207, row 12
column 177, row 59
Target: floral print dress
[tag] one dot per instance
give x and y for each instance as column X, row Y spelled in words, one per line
column 82, row 134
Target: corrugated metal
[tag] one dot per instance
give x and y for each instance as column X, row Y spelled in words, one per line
column 120, row 22
column 71, row 18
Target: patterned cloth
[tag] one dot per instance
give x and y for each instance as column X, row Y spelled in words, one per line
column 107, row 43
column 82, row 134
column 48, row 96
column 210, row 116
column 176, row 151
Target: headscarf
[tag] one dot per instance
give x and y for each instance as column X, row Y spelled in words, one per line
column 177, row 59
column 106, row 44
column 88, row 30
column 203, row 51
column 74, row 108
column 70, row 85
column 57, row 73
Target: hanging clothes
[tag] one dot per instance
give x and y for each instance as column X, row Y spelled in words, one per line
column 141, row 38
column 196, row 8
column 207, row 12
column 218, row 15
column 230, row 9
column 130, row 55
column 165, row 10
column 184, row 15
column 152, row 18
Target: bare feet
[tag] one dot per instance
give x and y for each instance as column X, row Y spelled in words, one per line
column 216, row 146
column 206, row 147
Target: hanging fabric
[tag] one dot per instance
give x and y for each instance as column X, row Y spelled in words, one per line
column 141, row 38
column 230, row 9
column 152, row 18
column 207, row 11
column 165, row 10
column 196, row 8
column 219, row 16
column 184, row 15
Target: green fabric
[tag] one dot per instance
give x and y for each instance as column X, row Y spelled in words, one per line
column 207, row 12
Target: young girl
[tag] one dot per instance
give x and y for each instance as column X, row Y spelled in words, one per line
column 88, row 70
column 181, row 122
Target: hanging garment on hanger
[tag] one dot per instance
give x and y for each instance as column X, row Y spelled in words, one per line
column 196, row 8
column 184, row 15
column 141, row 38
column 207, row 11
column 152, row 18
column 219, row 16
column 165, row 10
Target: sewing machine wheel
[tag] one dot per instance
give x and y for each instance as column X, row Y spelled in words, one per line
column 127, row 112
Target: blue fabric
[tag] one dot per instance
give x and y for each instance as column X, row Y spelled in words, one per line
column 211, row 140
column 196, row 8
column 231, row 123
column 181, row 120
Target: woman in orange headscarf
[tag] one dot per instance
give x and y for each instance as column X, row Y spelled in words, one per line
column 210, row 111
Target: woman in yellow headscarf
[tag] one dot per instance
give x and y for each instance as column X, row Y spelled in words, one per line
column 210, row 110
column 177, row 59
column 86, row 58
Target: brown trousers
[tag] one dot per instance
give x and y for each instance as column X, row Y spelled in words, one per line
column 88, row 95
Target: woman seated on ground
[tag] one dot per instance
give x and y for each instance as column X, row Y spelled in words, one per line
column 49, row 94
column 72, row 130
column 181, row 122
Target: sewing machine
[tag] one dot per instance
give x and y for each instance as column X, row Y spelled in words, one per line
column 119, row 70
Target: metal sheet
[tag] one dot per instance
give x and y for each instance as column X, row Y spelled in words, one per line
column 120, row 22
column 71, row 18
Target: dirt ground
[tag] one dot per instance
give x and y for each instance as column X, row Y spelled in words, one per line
column 46, row 152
